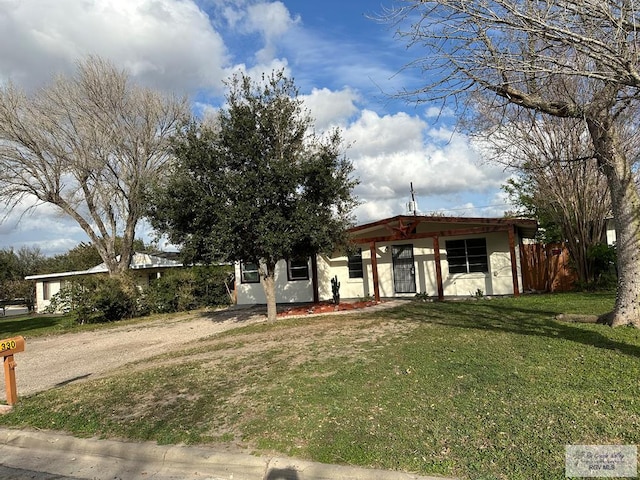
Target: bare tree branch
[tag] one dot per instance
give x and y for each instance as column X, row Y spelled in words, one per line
column 563, row 58
column 89, row 144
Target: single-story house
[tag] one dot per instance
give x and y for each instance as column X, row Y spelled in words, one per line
column 145, row 267
column 402, row 256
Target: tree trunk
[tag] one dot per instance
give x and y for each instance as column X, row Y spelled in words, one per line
column 269, row 284
column 625, row 205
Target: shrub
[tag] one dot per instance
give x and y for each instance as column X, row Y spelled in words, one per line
column 114, row 299
column 105, row 299
column 189, row 288
column 602, row 258
column 97, row 299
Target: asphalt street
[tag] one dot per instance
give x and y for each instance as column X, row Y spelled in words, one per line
column 8, row 473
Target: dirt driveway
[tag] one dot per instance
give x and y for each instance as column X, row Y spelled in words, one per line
column 49, row 362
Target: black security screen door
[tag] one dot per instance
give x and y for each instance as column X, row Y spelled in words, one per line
column 404, row 272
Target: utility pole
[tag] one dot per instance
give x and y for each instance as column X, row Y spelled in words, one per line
column 413, row 205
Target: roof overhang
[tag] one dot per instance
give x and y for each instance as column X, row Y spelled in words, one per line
column 139, row 261
column 403, row 227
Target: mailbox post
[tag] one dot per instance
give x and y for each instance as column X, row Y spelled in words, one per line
column 8, row 347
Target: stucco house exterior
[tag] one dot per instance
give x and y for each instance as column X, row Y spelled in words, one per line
column 401, row 256
column 145, row 268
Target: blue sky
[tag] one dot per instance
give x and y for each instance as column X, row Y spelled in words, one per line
column 348, row 68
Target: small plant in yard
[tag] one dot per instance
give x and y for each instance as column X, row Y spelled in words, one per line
column 478, row 293
column 422, row 297
column 335, row 289
column 491, row 390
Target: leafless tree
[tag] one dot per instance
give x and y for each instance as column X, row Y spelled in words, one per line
column 564, row 58
column 88, row 144
column 557, row 177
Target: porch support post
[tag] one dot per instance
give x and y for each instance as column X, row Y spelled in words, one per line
column 314, row 278
column 514, row 264
column 436, row 255
column 374, row 271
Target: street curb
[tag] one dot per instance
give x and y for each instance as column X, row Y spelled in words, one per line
column 63, row 454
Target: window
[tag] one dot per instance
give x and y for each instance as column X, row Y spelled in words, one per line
column 249, row 272
column 354, row 263
column 298, row 269
column 46, row 291
column 153, row 277
column 467, row 256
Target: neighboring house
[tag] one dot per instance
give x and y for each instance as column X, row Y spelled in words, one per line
column 145, row 267
column 401, row 256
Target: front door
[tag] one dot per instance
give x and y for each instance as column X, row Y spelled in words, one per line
column 404, row 271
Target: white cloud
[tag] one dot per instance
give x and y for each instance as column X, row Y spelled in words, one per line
column 329, row 108
column 392, row 152
column 271, row 21
column 372, row 210
column 43, row 226
column 176, row 45
column 375, row 136
column 167, row 44
column 437, row 112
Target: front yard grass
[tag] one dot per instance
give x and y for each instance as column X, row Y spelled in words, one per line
column 487, row 389
column 39, row 325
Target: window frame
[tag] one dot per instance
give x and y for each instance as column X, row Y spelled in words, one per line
column 46, row 290
column 355, row 260
column 291, row 269
column 244, row 271
column 474, row 260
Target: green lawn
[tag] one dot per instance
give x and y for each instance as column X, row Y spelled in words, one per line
column 477, row 389
column 31, row 325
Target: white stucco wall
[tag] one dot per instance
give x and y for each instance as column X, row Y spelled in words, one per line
column 328, row 268
column 54, row 286
column 497, row 281
column 297, row 291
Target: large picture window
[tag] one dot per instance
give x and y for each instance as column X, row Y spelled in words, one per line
column 298, row 269
column 467, row 256
column 355, row 264
column 249, row 272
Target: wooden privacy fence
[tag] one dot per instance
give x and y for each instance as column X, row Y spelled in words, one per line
column 546, row 268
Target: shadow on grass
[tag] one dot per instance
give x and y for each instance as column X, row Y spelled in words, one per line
column 233, row 314
column 17, row 325
column 489, row 316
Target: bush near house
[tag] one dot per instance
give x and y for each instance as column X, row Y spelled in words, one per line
column 100, row 298
column 188, row 289
column 97, row 299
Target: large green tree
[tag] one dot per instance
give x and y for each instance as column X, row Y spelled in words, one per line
column 14, row 266
column 258, row 185
column 564, row 58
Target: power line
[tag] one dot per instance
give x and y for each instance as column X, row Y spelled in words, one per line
column 478, row 207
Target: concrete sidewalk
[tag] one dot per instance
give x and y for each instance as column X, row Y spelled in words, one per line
column 64, row 455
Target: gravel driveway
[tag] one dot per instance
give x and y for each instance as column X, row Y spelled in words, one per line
column 49, row 362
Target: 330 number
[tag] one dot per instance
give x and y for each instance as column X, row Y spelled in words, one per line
column 9, row 345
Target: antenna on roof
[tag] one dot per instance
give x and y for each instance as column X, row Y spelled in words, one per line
column 412, row 206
